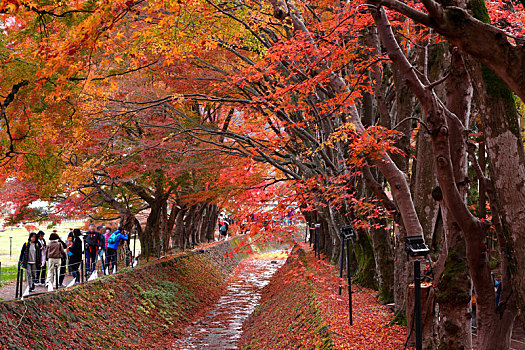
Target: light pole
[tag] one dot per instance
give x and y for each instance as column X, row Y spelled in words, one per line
column 10, row 247
column 346, row 234
column 416, row 248
column 317, row 249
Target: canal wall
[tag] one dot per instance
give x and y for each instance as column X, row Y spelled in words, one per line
column 141, row 308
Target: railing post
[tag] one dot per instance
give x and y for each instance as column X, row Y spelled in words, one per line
column 20, row 292
column 57, row 271
column 147, row 252
column 82, row 272
column 17, row 281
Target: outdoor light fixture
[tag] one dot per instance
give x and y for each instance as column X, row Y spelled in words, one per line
column 416, row 248
column 347, row 232
column 317, row 250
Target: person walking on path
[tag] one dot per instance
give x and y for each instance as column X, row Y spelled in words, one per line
column 75, row 254
column 30, row 259
column 113, row 243
column 41, row 279
column 54, row 256
column 223, row 230
column 92, row 247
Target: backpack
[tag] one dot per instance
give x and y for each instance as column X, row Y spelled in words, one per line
column 91, row 238
column 112, row 239
column 224, row 228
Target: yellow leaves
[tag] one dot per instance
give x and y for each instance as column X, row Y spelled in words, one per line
column 12, row 7
column 113, row 86
column 75, row 176
column 340, row 135
column 118, row 59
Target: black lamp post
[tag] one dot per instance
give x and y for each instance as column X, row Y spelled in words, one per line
column 317, row 249
column 346, row 234
column 416, row 248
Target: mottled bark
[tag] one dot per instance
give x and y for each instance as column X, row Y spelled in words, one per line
column 506, row 159
column 211, row 221
column 454, row 293
column 454, row 296
column 434, row 62
column 364, row 253
column 178, row 232
column 384, row 261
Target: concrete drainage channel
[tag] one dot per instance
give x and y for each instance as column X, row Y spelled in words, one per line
column 221, row 327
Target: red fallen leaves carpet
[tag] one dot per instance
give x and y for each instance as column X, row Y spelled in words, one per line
column 300, row 309
column 370, row 329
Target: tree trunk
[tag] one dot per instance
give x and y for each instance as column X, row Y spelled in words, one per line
column 178, row 233
column 364, row 253
column 454, row 294
column 384, row 261
column 454, row 286
column 401, row 269
column 499, row 122
column 211, row 222
column 427, row 315
column 152, row 234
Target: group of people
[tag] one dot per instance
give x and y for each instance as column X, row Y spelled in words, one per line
column 40, row 258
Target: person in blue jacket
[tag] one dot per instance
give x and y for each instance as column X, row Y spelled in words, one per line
column 113, row 243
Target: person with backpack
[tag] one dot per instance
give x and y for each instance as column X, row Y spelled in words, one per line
column 75, row 254
column 113, row 243
column 54, row 256
column 92, row 247
column 223, row 230
column 30, row 259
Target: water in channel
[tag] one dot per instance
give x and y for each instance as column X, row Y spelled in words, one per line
column 221, row 327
